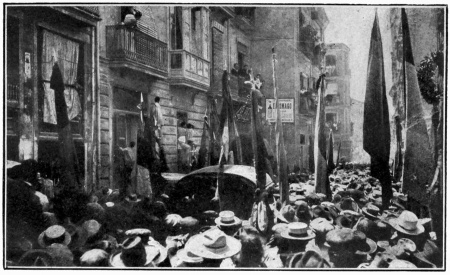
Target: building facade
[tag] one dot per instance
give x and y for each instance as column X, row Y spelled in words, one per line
column 297, row 34
column 358, row 154
column 36, row 38
column 337, row 98
column 176, row 53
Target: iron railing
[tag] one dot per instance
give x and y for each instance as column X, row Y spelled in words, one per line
column 130, row 44
column 13, row 93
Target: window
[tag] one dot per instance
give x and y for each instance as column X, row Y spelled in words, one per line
column 182, row 118
column 301, row 18
column 302, row 139
column 242, row 51
column 176, row 38
column 69, row 55
column 331, row 118
column 302, row 81
column 195, row 18
column 12, row 55
column 126, row 116
column 330, row 61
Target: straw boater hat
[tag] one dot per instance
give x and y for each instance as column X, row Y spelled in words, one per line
column 54, row 234
column 407, row 223
column 371, row 211
column 143, row 233
column 298, row 231
column 213, row 244
column 227, row 218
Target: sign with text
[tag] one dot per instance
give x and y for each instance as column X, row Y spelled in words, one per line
column 286, row 110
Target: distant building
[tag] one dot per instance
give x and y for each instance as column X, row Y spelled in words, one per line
column 337, row 97
column 298, row 37
column 356, row 128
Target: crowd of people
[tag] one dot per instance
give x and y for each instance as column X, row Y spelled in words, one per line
column 102, row 229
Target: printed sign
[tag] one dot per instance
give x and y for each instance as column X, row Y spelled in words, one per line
column 286, row 110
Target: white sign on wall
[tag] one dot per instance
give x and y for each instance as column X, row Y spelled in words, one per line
column 286, row 110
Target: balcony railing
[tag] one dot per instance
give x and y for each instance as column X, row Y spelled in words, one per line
column 189, row 70
column 13, row 93
column 129, row 47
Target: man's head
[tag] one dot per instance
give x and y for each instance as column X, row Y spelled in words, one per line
column 157, row 99
column 236, row 66
column 132, row 144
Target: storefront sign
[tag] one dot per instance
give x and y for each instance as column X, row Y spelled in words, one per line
column 286, row 110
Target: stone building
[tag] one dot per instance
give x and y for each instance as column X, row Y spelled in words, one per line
column 298, row 37
column 176, row 53
column 36, row 37
column 337, row 98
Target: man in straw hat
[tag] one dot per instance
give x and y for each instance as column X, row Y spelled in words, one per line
column 228, row 222
column 213, row 246
column 298, row 234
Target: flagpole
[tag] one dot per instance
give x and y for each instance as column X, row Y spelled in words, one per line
column 279, row 140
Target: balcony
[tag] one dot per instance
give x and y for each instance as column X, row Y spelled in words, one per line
column 133, row 49
column 187, row 69
column 90, row 9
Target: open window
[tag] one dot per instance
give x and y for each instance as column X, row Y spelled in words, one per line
column 69, row 55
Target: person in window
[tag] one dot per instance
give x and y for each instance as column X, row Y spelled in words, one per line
column 244, row 72
column 235, row 70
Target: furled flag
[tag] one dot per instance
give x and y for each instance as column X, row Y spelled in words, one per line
column 311, row 154
column 320, row 145
column 259, row 149
column 398, row 160
column 203, row 152
column 418, row 159
column 376, row 129
column 227, row 113
column 69, row 161
column 214, row 125
column 279, row 140
column 330, row 160
column 141, row 108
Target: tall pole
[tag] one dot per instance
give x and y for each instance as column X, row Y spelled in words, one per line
column 279, row 140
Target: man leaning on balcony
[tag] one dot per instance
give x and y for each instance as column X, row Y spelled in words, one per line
column 158, row 117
